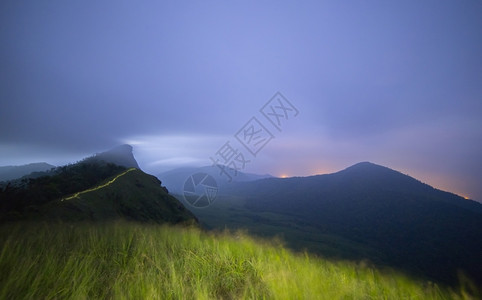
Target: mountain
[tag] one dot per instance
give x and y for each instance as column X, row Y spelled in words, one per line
column 361, row 182
column 14, row 172
column 131, row 195
column 121, row 155
column 94, row 189
column 174, row 179
column 366, row 211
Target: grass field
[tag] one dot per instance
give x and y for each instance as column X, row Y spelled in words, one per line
column 133, row 261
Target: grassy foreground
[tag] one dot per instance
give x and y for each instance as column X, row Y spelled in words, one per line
column 135, row 261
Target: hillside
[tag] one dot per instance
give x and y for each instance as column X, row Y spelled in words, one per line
column 142, row 261
column 131, row 195
column 92, row 190
column 363, row 212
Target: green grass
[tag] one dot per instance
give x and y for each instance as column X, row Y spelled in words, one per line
column 134, row 261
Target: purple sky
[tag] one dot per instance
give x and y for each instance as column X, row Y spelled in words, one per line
column 395, row 84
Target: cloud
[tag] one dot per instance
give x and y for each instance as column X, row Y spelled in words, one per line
column 156, row 153
column 371, row 82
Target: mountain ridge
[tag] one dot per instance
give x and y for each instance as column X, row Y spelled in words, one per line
column 375, row 174
column 131, row 195
column 94, row 189
column 409, row 224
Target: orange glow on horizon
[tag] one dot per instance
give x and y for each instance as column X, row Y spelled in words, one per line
column 322, row 171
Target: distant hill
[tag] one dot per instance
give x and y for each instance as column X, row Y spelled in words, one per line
column 174, row 179
column 14, row 172
column 391, row 218
column 361, row 181
column 94, row 189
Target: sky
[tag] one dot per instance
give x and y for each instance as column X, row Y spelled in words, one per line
column 397, row 83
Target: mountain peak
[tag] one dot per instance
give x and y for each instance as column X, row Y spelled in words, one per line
column 121, row 155
column 370, row 174
column 365, row 164
column 367, row 167
column 124, row 147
